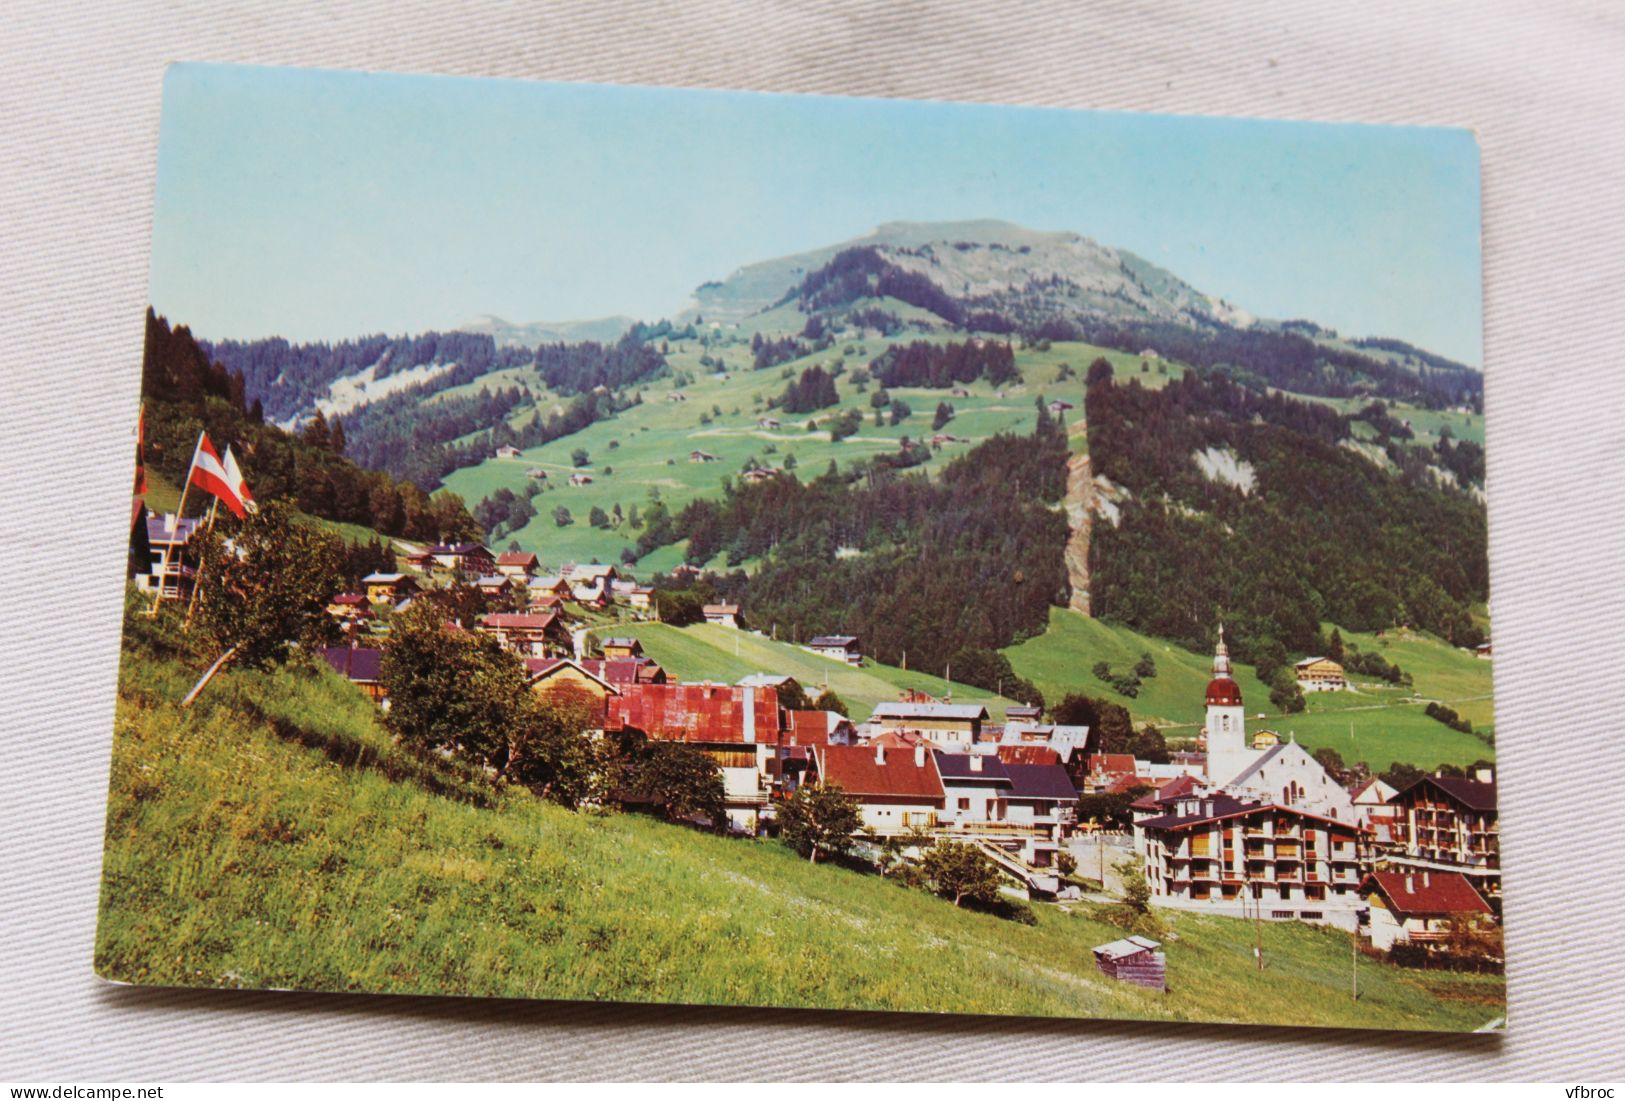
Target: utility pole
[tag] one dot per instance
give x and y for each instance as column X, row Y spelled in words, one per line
column 1354, row 965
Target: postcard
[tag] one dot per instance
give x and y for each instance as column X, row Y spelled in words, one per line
column 677, row 546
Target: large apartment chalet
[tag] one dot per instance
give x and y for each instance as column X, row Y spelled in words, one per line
column 1449, row 824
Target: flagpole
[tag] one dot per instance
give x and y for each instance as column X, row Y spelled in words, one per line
column 180, row 511
column 197, row 582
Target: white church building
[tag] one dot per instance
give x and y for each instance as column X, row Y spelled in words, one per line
column 1267, row 833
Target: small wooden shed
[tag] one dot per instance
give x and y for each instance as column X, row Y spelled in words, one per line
column 1135, row 960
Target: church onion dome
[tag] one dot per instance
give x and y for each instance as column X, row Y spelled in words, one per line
column 1223, row 692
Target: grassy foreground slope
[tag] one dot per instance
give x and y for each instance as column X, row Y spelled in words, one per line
column 706, row 652
column 272, row 837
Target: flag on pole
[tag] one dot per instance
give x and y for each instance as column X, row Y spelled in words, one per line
column 209, row 473
column 234, row 474
column 141, row 453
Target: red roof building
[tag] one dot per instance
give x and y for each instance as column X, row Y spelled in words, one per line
column 896, row 789
column 1418, row 907
column 1028, row 755
column 707, row 713
column 818, row 728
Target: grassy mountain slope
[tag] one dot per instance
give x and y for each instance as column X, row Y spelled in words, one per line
column 654, row 439
column 1060, row 661
column 1377, row 723
column 705, row 652
column 272, row 837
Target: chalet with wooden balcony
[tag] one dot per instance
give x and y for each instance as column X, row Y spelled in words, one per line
column 389, row 588
column 1250, row 858
column 1449, row 824
column 526, row 634
column 171, row 565
column 521, row 565
column 840, row 647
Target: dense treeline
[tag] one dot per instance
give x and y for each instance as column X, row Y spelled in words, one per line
column 862, row 272
column 424, row 441
column 942, row 365
column 578, row 368
column 768, row 352
column 288, row 378
column 1323, row 534
column 812, row 390
column 409, row 437
column 920, row 570
column 1287, row 360
column 185, row 391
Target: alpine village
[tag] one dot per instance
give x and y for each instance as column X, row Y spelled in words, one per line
column 962, row 618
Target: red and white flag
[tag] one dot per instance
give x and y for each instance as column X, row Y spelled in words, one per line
column 234, row 474
column 209, row 473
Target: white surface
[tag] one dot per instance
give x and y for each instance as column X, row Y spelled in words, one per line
column 79, row 94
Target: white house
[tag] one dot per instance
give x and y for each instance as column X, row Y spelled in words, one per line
column 1418, row 907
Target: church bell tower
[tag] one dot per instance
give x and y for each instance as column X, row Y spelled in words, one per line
column 1227, row 752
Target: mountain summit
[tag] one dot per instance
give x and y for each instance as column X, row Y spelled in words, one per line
column 983, row 265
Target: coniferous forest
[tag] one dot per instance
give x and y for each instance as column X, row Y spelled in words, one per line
column 184, row 392
column 1323, row 533
column 922, row 570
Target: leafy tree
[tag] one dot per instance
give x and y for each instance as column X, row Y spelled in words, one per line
column 1401, row 775
column 820, row 820
column 1149, row 745
column 1110, row 719
column 1099, row 371
column 899, row 411
column 451, row 520
column 562, row 517
column 597, row 517
column 550, row 749
column 451, row 689
column 579, row 457
column 683, row 783
column 1285, row 694
column 269, row 588
column 961, row 871
column 1065, row 862
column 317, row 434
column 1146, row 666
column 1330, row 760
column 944, row 414
column 1136, row 891
column 793, row 697
column 1111, row 809
column 1474, row 939
column 828, row 701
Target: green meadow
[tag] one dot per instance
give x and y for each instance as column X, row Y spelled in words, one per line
column 273, row 837
column 643, row 452
column 724, row 655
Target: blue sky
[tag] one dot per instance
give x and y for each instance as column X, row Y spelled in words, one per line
column 323, row 205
